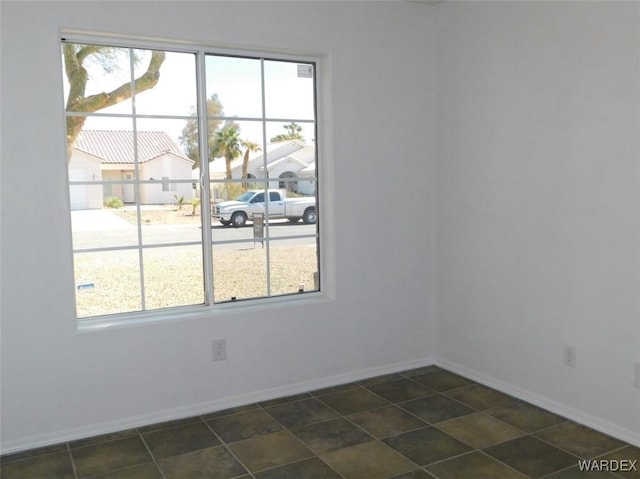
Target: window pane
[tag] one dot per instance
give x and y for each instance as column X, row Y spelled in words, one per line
column 108, row 74
column 294, row 266
column 293, row 162
column 231, row 143
column 173, row 276
column 237, row 83
column 107, row 282
column 104, row 228
column 182, row 141
column 178, row 222
column 83, row 195
column 101, row 184
column 104, row 152
column 279, row 131
column 289, row 90
column 239, row 271
column 174, row 93
column 169, row 202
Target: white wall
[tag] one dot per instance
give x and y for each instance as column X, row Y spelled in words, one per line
column 538, row 206
column 59, row 384
column 166, row 166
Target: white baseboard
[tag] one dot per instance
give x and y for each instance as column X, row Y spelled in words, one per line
column 72, row 434
column 606, row 427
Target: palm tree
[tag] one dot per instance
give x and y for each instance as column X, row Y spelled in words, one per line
column 249, row 147
column 228, row 144
column 293, row 132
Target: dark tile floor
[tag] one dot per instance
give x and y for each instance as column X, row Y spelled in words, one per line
column 419, row 424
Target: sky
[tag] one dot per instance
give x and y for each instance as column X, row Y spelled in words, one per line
column 235, row 80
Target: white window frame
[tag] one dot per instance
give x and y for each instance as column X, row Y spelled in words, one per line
column 324, row 194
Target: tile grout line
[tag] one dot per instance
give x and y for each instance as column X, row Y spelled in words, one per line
column 525, row 434
column 153, row 457
column 578, row 458
column 73, row 462
column 315, row 454
column 389, row 404
column 227, row 448
column 481, row 451
column 346, row 418
column 397, row 405
column 476, row 411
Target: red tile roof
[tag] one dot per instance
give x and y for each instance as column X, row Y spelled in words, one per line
column 114, row 146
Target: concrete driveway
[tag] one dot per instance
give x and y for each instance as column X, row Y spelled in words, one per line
column 98, row 220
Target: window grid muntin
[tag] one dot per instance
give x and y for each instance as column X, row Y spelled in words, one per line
column 136, row 177
column 205, row 190
column 205, row 218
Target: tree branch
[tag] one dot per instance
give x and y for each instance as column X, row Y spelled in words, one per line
column 70, row 60
column 87, row 50
column 147, row 80
column 78, row 76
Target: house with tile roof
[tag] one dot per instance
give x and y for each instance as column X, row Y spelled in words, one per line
column 104, row 163
column 291, row 164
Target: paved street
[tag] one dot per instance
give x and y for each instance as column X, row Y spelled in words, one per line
column 102, row 228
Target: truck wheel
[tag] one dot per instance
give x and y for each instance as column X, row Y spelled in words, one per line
column 310, row 216
column 238, row 219
column 294, row 219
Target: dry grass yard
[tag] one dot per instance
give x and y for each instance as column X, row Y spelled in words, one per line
column 163, row 215
column 173, row 276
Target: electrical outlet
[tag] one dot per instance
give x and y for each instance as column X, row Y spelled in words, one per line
column 636, row 382
column 570, row 356
column 219, row 349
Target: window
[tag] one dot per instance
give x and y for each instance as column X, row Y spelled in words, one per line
column 157, row 227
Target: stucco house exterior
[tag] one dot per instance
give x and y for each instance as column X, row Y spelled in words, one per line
column 291, row 164
column 108, row 155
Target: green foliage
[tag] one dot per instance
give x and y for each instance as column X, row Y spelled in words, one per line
column 228, row 191
column 194, row 204
column 228, row 144
column 235, row 190
column 293, row 132
column 189, row 137
column 113, row 202
column 179, row 201
column 294, row 194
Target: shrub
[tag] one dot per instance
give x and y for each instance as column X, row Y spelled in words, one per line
column 228, row 191
column 113, row 202
column 194, row 204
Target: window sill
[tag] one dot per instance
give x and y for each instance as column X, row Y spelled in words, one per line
column 87, row 325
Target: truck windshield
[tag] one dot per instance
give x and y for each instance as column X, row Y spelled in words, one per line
column 244, row 197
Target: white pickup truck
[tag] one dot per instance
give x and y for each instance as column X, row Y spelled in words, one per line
column 237, row 212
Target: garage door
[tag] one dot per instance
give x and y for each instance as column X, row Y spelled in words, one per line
column 78, row 194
